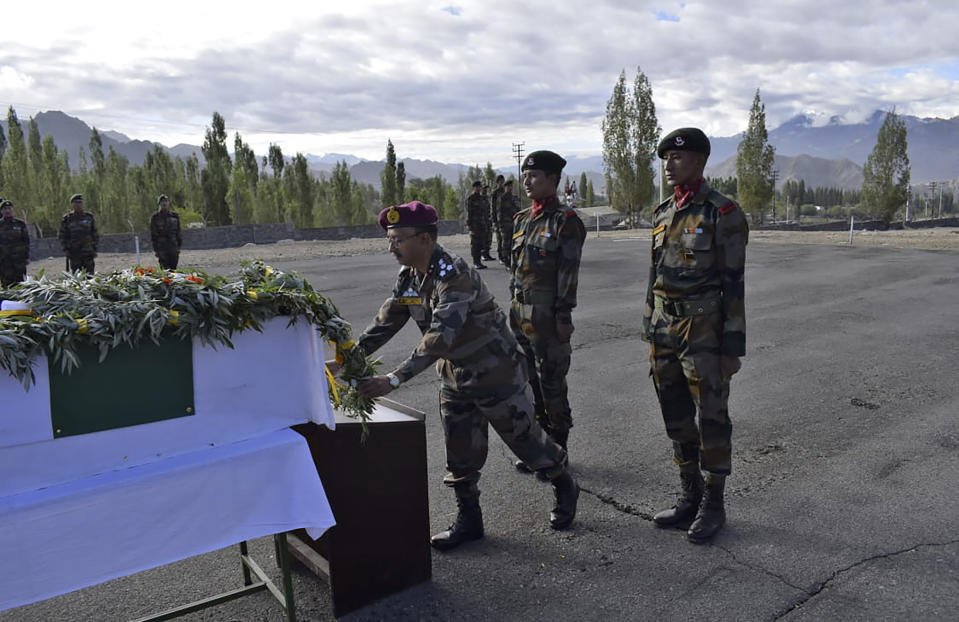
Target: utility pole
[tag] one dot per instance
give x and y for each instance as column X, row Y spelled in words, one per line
column 941, row 184
column 518, row 154
column 775, row 177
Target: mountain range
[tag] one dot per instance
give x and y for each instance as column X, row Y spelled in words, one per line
column 827, row 153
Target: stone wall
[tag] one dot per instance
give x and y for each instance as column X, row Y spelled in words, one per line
column 231, row 237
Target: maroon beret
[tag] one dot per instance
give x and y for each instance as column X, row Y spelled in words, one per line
column 412, row 214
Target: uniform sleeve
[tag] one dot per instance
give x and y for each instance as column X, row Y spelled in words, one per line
column 153, row 231
column 179, row 238
column 94, row 234
column 647, row 334
column 449, row 317
column 388, row 321
column 26, row 244
column 732, row 234
column 571, row 237
column 64, row 235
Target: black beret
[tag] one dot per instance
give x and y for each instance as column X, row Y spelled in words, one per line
column 684, row 139
column 162, row 197
column 546, row 161
column 477, row 183
column 6, row 203
column 509, row 182
column 76, row 197
column 500, row 178
column 412, row 214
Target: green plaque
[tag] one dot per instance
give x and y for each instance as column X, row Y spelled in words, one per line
column 132, row 386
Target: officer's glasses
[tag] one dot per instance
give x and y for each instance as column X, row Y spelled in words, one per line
column 391, row 242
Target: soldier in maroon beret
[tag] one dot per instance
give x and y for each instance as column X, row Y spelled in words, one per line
column 482, row 368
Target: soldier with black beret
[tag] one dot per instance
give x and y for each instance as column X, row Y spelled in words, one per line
column 477, row 221
column 482, row 369
column 165, row 234
column 14, row 246
column 695, row 323
column 79, row 237
column 547, row 245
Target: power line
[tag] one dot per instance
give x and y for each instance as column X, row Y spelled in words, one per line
column 518, row 154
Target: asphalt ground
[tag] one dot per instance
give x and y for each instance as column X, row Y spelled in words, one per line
column 842, row 504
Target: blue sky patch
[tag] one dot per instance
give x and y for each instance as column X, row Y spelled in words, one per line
column 453, row 10
column 663, row 16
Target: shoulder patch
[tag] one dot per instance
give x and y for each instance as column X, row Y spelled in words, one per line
column 447, row 267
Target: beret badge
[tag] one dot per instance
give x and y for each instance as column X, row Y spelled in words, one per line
column 393, row 216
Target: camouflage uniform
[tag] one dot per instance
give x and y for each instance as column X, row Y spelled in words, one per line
column 494, row 222
column 506, row 210
column 546, row 253
column 14, row 251
column 477, row 220
column 484, row 380
column 165, row 234
column 79, row 239
column 695, row 313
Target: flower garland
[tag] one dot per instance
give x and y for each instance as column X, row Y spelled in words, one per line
column 126, row 307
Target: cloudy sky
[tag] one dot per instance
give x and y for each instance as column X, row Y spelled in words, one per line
column 462, row 80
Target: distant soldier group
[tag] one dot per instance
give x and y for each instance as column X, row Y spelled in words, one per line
column 79, row 239
column 513, row 376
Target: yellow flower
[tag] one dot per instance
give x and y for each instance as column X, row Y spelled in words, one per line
column 82, row 327
column 174, row 317
column 251, row 293
column 268, row 270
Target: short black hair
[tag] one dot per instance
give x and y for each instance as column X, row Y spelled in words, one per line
column 430, row 230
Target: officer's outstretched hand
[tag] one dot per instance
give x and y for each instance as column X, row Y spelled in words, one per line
column 729, row 365
column 377, row 386
column 333, row 367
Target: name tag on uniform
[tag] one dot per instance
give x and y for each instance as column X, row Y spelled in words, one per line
column 659, row 229
column 519, row 234
column 409, row 300
column 693, row 230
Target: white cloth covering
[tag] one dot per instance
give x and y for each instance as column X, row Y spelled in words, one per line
column 76, row 534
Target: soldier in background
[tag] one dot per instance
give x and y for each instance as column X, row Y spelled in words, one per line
column 695, row 324
column 477, row 215
column 547, row 244
column 78, row 237
column 14, row 246
column 165, row 234
column 488, row 242
column 506, row 210
column 483, row 372
column 494, row 217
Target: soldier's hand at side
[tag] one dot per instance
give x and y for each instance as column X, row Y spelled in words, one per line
column 564, row 331
column 333, row 367
column 377, row 386
column 729, row 365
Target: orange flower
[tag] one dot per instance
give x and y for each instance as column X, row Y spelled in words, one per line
column 339, row 358
column 167, row 280
column 195, row 279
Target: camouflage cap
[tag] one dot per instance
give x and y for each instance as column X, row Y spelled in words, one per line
column 684, row 139
column 547, row 161
column 75, row 198
column 412, row 214
column 162, row 198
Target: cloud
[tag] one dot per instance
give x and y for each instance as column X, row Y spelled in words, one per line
column 500, row 72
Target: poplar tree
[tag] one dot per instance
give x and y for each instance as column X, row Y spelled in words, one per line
column 400, row 182
column 630, row 136
column 15, row 164
column 388, row 176
column 215, row 177
column 885, row 185
column 754, row 163
column 581, row 189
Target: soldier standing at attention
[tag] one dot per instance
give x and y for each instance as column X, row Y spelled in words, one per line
column 165, row 233
column 79, row 237
column 477, row 213
column 14, row 246
column 696, row 328
column 547, row 244
column 482, row 368
column 494, row 217
column 508, row 206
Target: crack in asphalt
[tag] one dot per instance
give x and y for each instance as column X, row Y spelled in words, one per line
column 819, row 587
column 761, row 569
column 622, row 507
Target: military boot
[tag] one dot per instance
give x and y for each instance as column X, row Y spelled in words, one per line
column 688, row 503
column 561, row 438
column 469, row 519
column 712, row 514
column 566, row 492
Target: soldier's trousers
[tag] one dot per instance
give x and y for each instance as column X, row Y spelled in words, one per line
column 11, row 273
column 548, row 361
column 509, row 409
column 505, row 242
column 477, row 241
column 82, row 262
column 684, row 365
column 168, row 260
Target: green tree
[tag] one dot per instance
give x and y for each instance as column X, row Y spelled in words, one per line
column 581, row 189
column 388, row 176
column 630, row 136
column 590, row 194
column 35, row 150
column 215, row 178
column 885, row 185
column 400, row 182
column 15, row 165
column 303, row 193
column 341, row 194
column 276, row 160
column 3, row 150
column 754, row 163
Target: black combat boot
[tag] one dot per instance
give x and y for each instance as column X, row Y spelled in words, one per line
column 688, row 503
column 561, row 438
column 712, row 514
column 469, row 519
column 566, row 491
